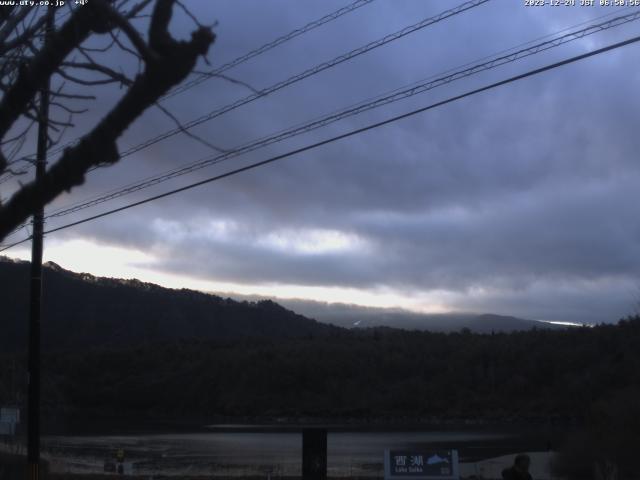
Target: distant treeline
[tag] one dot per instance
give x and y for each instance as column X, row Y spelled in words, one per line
column 536, row 375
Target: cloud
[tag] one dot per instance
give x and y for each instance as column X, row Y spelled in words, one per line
column 517, row 201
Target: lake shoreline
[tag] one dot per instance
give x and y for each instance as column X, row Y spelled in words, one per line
column 240, row 453
column 94, row 425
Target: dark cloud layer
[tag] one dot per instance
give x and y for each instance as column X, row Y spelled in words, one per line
column 521, row 200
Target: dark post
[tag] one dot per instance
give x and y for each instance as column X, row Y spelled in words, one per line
column 314, row 454
column 33, row 410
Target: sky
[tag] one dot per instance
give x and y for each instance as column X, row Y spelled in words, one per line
column 519, row 201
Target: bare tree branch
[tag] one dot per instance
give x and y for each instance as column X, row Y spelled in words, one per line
column 24, row 36
column 170, row 64
column 96, row 67
column 73, row 96
column 134, row 37
column 12, row 21
column 32, row 77
column 187, row 132
column 133, row 13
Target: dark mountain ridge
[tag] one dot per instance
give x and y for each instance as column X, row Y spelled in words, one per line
column 84, row 311
column 357, row 316
column 80, row 310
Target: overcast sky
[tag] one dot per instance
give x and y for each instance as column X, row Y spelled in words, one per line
column 522, row 200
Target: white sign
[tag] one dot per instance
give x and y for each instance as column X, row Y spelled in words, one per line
column 421, row 465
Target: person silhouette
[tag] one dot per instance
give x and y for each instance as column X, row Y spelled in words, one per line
column 519, row 470
column 120, row 460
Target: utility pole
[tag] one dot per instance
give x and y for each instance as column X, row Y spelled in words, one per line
column 33, row 409
column 314, row 453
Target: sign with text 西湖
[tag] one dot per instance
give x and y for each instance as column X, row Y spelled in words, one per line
column 421, row 464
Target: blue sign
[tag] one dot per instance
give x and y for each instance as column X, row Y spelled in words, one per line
column 421, row 464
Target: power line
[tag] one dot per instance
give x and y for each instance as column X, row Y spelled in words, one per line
column 236, row 61
column 114, row 193
column 208, row 75
column 308, row 73
column 268, row 46
column 351, row 133
column 394, row 96
column 15, row 244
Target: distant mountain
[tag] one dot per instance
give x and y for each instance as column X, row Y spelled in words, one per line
column 82, row 310
column 356, row 316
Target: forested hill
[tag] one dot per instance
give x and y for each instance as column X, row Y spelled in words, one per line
column 382, row 373
column 80, row 310
column 175, row 353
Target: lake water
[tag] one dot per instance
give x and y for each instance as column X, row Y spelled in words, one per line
column 246, row 453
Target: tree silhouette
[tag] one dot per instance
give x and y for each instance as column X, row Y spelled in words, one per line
column 28, row 62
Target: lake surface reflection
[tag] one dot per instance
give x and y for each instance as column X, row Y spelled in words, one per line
column 244, row 453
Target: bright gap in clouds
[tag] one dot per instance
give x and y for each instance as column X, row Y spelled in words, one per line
column 308, row 241
column 316, row 241
column 81, row 255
